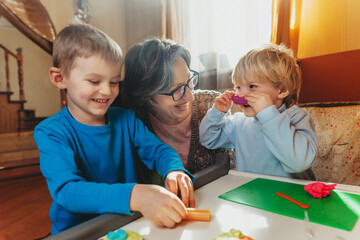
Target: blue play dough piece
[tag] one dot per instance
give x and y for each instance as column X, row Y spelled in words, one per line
column 118, row 235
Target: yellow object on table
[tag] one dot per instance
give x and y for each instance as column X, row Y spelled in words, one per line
column 121, row 234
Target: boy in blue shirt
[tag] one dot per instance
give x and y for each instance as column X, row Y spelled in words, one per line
column 87, row 150
column 271, row 135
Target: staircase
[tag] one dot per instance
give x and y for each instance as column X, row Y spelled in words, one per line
column 28, row 121
column 19, row 155
column 18, row 152
column 13, row 117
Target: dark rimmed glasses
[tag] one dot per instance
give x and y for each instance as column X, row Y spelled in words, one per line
column 179, row 92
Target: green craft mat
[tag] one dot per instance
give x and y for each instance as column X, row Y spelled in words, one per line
column 339, row 209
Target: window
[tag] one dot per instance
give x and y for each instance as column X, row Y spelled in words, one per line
column 219, row 32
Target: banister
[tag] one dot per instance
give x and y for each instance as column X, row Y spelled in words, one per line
column 19, row 59
column 7, row 50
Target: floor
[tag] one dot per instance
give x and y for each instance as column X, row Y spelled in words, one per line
column 24, row 197
column 24, row 210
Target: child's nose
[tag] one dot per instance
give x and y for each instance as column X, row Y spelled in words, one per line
column 241, row 92
column 105, row 89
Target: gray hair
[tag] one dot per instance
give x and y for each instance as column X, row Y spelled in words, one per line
column 148, row 71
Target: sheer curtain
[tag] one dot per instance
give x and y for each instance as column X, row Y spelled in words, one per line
column 219, row 32
column 286, row 23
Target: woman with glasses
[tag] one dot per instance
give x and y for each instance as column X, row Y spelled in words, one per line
column 159, row 86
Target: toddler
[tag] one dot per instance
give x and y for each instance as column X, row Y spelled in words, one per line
column 271, row 135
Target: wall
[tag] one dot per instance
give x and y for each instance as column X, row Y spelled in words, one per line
column 40, row 95
column 109, row 16
column 143, row 20
column 126, row 21
column 328, row 26
column 329, row 43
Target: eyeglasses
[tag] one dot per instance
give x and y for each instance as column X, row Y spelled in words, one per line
column 179, row 92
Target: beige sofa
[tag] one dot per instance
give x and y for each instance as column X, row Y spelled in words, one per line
column 337, row 127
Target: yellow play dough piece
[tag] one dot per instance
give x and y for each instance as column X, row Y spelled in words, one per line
column 232, row 235
column 132, row 235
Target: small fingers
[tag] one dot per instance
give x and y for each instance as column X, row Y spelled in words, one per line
column 184, row 191
column 221, row 100
column 227, row 97
column 190, row 187
column 180, row 209
column 168, row 222
column 176, row 216
column 164, row 222
column 191, row 196
column 223, row 103
column 172, row 185
column 170, row 214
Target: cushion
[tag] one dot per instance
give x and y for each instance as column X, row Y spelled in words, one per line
column 338, row 131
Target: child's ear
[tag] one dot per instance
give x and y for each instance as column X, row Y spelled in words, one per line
column 56, row 78
column 283, row 93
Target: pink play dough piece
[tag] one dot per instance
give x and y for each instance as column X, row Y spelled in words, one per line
column 239, row 100
column 318, row 189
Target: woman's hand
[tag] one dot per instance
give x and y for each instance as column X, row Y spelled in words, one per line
column 178, row 180
column 157, row 204
column 224, row 102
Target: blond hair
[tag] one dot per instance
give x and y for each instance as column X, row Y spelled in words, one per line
column 82, row 40
column 274, row 63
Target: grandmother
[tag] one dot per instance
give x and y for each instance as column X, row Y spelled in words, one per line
column 159, row 86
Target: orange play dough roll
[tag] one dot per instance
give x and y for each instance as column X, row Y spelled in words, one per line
column 194, row 214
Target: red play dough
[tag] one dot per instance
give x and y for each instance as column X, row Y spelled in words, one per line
column 318, row 189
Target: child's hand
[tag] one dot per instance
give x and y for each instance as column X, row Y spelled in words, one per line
column 224, row 102
column 178, row 180
column 157, row 204
column 259, row 101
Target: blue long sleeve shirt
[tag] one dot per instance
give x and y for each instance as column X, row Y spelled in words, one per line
column 278, row 142
column 90, row 170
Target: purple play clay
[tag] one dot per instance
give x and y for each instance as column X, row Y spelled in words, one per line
column 239, row 100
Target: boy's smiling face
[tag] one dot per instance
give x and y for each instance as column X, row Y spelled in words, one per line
column 92, row 86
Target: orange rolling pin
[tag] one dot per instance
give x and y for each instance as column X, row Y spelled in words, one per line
column 194, row 214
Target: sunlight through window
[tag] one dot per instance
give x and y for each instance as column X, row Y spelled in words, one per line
column 292, row 23
column 219, row 32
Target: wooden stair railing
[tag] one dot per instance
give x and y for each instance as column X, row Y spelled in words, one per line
column 19, row 60
column 13, row 116
column 11, row 110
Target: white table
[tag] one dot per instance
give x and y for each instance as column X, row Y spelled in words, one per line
column 258, row 224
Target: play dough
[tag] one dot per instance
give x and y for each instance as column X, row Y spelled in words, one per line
column 122, row 235
column 232, row 235
column 318, row 189
column 239, row 100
